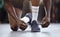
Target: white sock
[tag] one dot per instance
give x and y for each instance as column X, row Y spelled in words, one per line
column 35, row 10
column 25, row 19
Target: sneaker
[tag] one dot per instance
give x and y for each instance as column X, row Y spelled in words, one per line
column 34, row 26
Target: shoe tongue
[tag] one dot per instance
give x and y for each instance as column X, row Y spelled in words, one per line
column 34, row 23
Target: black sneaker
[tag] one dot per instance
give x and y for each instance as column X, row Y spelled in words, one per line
column 34, row 26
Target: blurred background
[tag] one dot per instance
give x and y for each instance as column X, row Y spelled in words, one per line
column 3, row 14
column 55, row 12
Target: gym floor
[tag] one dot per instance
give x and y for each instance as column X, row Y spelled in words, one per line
column 52, row 31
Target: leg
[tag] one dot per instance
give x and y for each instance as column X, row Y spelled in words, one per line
column 34, row 24
column 35, row 8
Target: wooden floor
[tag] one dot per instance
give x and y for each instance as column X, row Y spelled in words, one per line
column 52, row 31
